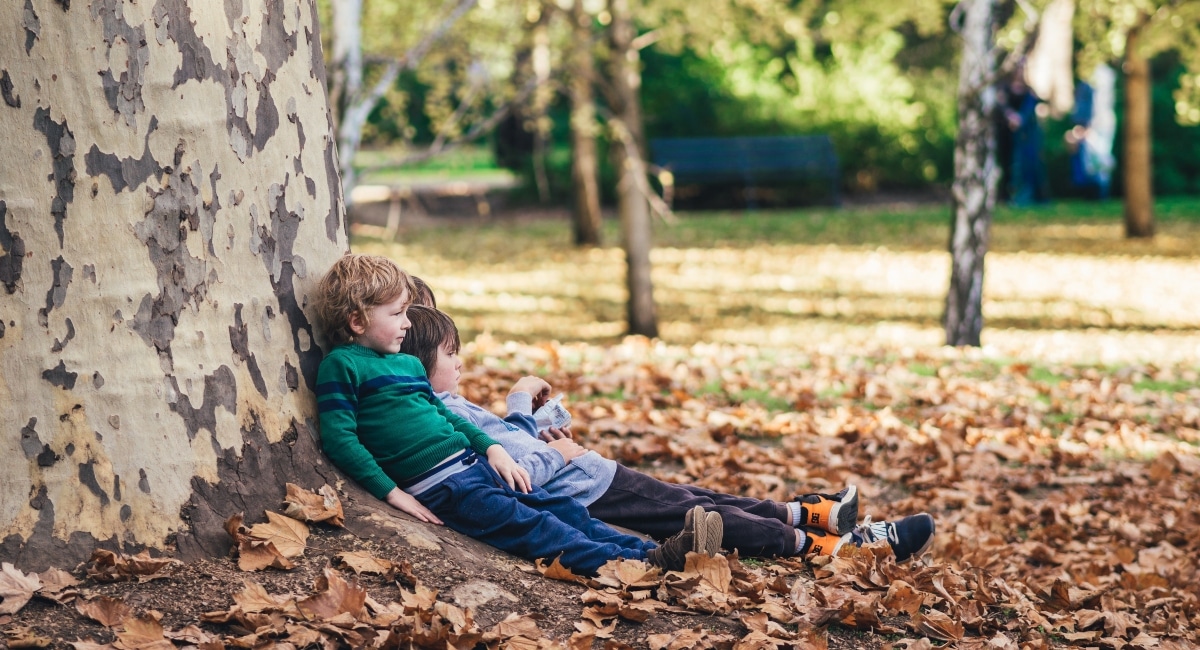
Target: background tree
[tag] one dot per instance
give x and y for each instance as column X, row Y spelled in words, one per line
column 975, row 172
column 1133, row 32
column 177, row 200
column 585, row 170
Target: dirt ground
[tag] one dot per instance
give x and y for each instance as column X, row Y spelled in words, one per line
column 492, row 593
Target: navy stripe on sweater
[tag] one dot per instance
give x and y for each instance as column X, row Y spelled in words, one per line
column 407, row 385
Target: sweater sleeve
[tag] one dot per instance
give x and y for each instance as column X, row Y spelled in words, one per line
column 337, row 402
column 479, row 440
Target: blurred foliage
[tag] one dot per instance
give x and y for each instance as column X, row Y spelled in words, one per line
column 880, row 79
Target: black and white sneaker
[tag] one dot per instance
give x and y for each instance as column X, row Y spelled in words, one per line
column 909, row 537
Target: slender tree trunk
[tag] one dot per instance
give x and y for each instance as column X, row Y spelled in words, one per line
column 632, row 204
column 585, row 186
column 347, row 69
column 176, row 201
column 975, row 174
column 1136, row 163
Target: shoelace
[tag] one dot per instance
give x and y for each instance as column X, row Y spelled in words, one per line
column 869, row 532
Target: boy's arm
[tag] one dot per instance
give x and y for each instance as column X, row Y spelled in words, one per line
column 540, row 461
column 337, row 403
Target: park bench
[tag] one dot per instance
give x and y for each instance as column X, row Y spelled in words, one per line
column 785, row 161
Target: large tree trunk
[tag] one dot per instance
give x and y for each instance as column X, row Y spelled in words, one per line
column 975, row 174
column 176, row 201
column 1136, row 165
column 632, row 204
column 585, row 185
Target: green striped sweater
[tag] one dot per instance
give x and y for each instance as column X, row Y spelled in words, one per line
column 380, row 422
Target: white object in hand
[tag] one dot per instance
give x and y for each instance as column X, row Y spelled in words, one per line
column 552, row 415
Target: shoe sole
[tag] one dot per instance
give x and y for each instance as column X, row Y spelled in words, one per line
column 714, row 533
column 844, row 514
column 696, row 517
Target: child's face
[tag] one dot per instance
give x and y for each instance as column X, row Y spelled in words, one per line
column 387, row 327
column 444, row 378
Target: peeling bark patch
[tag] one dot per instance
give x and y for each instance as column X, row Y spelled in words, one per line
column 276, row 246
column 124, row 172
column 116, row 488
column 59, row 376
column 181, row 277
column 220, row 389
column 277, row 46
column 291, row 378
column 65, row 4
column 47, row 458
column 62, row 149
column 197, row 61
column 239, row 340
column 14, row 253
column 33, row 26
column 6, row 90
column 59, row 345
column 333, row 220
column 97, row 380
column 58, row 291
column 87, row 477
column 126, row 512
column 143, row 481
column 124, row 95
column 31, row 445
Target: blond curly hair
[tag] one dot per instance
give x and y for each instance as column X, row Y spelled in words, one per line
column 353, row 285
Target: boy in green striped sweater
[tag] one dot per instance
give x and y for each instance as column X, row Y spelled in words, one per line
column 382, row 425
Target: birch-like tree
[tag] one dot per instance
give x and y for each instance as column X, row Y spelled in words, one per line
column 975, row 172
column 177, row 198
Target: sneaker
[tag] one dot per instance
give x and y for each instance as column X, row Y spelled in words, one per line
column 702, row 533
column 818, row 541
column 909, row 537
column 835, row 513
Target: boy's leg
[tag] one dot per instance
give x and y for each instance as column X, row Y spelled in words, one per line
column 657, row 508
column 478, row 504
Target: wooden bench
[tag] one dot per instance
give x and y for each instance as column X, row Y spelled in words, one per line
column 752, row 161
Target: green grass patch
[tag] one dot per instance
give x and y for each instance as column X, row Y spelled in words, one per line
column 1156, row 386
column 764, row 398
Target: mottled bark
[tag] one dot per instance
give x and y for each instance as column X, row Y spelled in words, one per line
column 975, row 174
column 177, row 200
column 1136, row 160
column 632, row 203
column 585, row 183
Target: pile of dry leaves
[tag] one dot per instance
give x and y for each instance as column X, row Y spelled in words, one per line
column 1066, row 500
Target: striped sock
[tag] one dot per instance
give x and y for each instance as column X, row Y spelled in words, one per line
column 797, row 514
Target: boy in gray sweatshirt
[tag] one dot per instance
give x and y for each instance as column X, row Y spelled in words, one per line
column 813, row 524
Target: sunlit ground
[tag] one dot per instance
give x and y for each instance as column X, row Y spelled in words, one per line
column 1061, row 285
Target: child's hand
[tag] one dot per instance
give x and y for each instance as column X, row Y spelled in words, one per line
column 536, row 386
column 508, row 469
column 569, row 449
column 552, row 434
column 405, row 502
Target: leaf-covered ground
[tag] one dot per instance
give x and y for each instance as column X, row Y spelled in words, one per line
column 1061, row 462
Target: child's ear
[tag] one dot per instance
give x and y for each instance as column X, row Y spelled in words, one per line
column 357, row 323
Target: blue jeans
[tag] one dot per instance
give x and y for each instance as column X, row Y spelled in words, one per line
column 478, row 503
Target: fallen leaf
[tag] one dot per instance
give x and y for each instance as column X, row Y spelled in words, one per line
column 363, row 562
column 288, row 535
column 24, row 637
column 334, row 596
column 314, row 507
column 257, row 555
column 143, row 633
column 937, row 625
column 16, row 588
column 556, row 571
column 109, row 612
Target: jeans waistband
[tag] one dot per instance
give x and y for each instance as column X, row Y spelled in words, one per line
column 442, row 471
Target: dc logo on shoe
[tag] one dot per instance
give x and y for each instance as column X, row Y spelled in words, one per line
column 816, row 518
